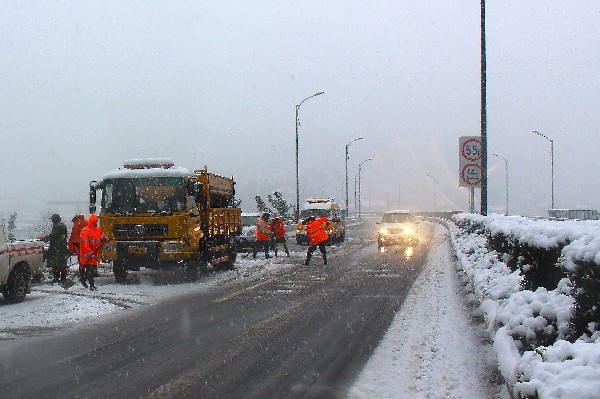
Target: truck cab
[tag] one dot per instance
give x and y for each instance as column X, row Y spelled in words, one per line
column 319, row 207
column 155, row 213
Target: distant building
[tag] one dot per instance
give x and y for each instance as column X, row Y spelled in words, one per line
column 581, row 214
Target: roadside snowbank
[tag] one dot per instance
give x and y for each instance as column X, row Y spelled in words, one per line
column 563, row 369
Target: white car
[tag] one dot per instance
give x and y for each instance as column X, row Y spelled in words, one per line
column 397, row 227
column 20, row 262
column 247, row 239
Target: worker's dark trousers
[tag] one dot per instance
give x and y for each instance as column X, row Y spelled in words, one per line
column 261, row 245
column 312, row 249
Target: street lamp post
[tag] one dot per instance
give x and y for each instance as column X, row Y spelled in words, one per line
column 551, row 160
column 347, row 157
column 359, row 174
column 297, row 174
column 355, row 185
column 434, row 193
column 506, row 171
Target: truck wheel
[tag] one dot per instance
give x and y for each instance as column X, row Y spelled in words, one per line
column 17, row 285
column 232, row 254
column 191, row 270
column 119, row 271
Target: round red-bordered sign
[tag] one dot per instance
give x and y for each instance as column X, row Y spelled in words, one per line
column 471, row 174
column 471, row 149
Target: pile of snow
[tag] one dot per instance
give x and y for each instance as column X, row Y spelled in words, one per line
column 518, row 320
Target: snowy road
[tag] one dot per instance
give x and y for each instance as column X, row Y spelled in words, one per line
column 436, row 346
column 433, row 349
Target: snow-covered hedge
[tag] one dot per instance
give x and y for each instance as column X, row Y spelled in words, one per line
column 538, row 282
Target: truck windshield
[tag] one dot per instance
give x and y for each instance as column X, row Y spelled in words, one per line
column 144, row 195
column 397, row 218
column 314, row 212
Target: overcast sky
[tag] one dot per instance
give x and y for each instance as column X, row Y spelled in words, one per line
column 86, row 85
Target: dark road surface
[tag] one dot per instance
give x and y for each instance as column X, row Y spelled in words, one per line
column 304, row 332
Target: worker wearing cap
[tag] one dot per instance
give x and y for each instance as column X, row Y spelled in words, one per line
column 57, row 249
column 263, row 235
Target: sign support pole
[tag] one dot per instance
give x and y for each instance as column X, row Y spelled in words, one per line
column 471, row 200
column 484, row 179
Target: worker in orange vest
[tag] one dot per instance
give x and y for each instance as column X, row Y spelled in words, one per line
column 315, row 229
column 279, row 233
column 79, row 223
column 263, row 235
column 90, row 251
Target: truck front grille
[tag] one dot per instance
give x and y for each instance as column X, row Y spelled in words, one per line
column 140, row 230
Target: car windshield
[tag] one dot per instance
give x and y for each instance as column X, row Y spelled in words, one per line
column 143, row 195
column 397, row 218
column 249, row 220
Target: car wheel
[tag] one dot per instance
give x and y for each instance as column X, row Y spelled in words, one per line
column 17, row 284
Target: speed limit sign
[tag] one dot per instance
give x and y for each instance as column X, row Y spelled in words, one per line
column 471, row 175
column 471, row 149
column 469, row 170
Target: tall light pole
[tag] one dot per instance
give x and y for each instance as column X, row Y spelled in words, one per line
column 297, row 174
column 484, row 138
column 506, row 171
column 359, row 174
column 434, row 193
column 551, row 160
column 347, row 157
column 355, row 185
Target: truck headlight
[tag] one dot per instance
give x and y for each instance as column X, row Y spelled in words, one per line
column 409, row 231
column 384, row 231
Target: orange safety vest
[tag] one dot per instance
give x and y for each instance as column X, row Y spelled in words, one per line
column 75, row 238
column 278, row 228
column 316, row 231
column 263, row 233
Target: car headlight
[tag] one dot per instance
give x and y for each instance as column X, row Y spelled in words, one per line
column 384, row 231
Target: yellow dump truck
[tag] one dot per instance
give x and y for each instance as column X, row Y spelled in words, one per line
column 155, row 213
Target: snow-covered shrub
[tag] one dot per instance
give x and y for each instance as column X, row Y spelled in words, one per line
column 585, row 279
column 564, row 370
column 538, row 266
column 581, row 260
column 539, row 286
column 536, row 318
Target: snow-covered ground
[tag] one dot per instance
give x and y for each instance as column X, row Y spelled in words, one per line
column 436, row 347
column 50, row 307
